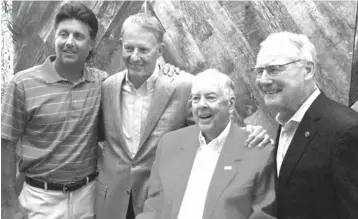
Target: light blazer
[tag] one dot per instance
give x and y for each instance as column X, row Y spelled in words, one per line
column 242, row 185
column 319, row 175
column 118, row 172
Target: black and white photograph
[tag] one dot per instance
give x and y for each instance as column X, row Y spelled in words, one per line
column 179, row 109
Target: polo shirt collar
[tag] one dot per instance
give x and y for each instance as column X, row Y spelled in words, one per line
column 50, row 74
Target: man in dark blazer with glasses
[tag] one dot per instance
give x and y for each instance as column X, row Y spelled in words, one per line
column 317, row 140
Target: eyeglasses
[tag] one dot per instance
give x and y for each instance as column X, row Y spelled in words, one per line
column 271, row 70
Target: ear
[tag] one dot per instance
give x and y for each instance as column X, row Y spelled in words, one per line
column 232, row 101
column 92, row 44
column 161, row 48
column 310, row 70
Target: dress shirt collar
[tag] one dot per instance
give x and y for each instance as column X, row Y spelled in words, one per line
column 217, row 143
column 298, row 116
column 147, row 86
column 50, row 74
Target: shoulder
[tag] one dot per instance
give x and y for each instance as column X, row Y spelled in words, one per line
column 27, row 74
column 114, row 78
column 334, row 115
column 255, row 156
column 184, row 79
column 181, row 81
column 183, row 133
column 98, row 74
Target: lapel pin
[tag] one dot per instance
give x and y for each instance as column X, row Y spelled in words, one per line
column 227, row 167
column 307, row 134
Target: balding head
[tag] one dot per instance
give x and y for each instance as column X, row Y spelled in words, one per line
column 213, row 101
column 213, row 76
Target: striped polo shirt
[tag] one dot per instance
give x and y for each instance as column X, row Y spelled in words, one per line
column 55, row 121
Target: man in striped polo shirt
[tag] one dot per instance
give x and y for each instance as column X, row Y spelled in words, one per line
column 52, row 110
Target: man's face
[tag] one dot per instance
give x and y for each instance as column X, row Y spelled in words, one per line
column 72, row 41
column 284, row 89
column 141, row 50
column 211, row 106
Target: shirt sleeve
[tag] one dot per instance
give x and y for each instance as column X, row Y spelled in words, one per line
column 13, row 114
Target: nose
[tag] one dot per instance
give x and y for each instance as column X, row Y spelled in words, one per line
column 264, row 79
column 135, row 55
column 202, row 103
column 69, row 41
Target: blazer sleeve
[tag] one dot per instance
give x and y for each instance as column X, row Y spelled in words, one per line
column 264, row 190
column 155, row 199
column 345, row 172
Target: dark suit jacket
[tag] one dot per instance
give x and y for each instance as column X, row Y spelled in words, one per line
column 246, row 190
column 319, row 175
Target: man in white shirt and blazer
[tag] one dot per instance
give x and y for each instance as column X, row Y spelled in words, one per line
column 204, row 171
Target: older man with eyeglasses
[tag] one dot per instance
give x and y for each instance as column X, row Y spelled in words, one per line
column 317, row 139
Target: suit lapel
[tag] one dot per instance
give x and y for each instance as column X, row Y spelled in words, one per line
column 163, row 91
column 305, row 133
column 226, row 167
column 115, row 89
column 184, row 164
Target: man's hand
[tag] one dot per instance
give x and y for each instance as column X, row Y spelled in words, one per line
column 170, row 70
column 257, row 137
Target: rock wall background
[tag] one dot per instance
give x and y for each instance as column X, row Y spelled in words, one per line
column 210, row 34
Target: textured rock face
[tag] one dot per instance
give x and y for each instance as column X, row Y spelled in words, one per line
column 216, row 34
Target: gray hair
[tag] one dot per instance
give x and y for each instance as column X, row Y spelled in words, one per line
column 145, row 21
column 305, row 49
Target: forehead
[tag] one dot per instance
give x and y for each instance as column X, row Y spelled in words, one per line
column 276, row 52
column 136, row 33
column 207, row 85
column 73, row 25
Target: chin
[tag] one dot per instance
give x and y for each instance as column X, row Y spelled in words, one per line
column 205, row 127
column 275, row 105
column 69, row 60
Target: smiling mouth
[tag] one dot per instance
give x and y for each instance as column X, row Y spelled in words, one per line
column 206, row 117
column 69, row 52
column 135, row 65
column 272, row 91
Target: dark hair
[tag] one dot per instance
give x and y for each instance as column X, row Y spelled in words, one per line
column 79, row 11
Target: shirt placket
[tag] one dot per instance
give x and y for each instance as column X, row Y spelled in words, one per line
column 138, row 106
column 287, row 133
column 75, row 98
column 283, row 141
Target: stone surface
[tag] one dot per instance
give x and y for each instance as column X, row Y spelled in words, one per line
column 210, row 34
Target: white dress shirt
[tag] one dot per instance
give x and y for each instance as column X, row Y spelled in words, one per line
column 289, row 128
column 135, row 105
column 207, row 155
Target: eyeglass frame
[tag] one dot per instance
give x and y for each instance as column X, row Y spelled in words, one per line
column 270, row 73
